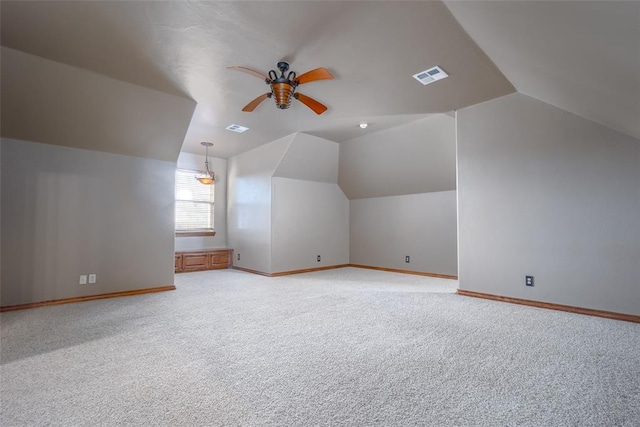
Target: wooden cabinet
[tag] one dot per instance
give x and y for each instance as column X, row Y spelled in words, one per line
column 194, row 262
column 219, row 260
column 213, row 259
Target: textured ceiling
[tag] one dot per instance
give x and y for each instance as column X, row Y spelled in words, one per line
column 580, row 56
column 183, row 48
column 53, row 103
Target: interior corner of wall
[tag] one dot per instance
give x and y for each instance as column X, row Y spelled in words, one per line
column 342, row 191
column 292, row 138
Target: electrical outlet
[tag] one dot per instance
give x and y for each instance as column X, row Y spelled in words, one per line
column 92, row 278
column 83, row 279
column 407, row 259
column 318, row 258
column 528, row 280
column 238, row 257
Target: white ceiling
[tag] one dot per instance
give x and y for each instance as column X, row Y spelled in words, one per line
column 582, row 56
column 372, row 49
column 557, row 52
column 53, row 103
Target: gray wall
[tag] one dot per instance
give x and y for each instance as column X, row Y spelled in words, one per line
column 219, row 167
column 0, row 216
column 309, row 219
column 401, row 183
column 383, row 230
column 285, row 206
column 544, row 192
column 249, row 204
column 310, row 213
column 68, row 211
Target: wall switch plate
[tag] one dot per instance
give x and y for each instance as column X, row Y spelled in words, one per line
column 238, row 257
column 318, row 258
column 407, row 259
column 92, row 278
column 528, row 280
column 83, row 279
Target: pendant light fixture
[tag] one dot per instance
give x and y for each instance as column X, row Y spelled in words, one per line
column 209, row 177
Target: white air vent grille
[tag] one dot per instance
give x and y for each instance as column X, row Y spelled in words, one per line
column 236, row 128
column 431, row 75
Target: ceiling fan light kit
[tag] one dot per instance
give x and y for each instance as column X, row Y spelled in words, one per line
column 283, row 88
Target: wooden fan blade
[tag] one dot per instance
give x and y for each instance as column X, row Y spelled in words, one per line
column 313, row 75
column 254, row 73
column 253, row 104
column 317, row 107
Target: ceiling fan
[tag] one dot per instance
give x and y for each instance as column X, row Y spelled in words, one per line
column 283, row 88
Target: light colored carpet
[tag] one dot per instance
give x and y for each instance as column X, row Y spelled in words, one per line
column 347, row 347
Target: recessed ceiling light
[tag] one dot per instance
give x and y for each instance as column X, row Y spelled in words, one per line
column 363, row 125
column 431, row 75
column 237, row 128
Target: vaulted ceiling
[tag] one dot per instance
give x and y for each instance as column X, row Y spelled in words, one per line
column 581, row 56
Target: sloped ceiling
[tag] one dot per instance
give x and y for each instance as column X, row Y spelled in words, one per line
column 53, row 103
column 372, row 48
column 310, row 158
column 578, row 55
column 417, row 157
column 581, row 56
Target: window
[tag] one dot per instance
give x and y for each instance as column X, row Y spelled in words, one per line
column 194, row 205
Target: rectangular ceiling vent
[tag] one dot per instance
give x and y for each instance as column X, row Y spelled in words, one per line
column 236, row 128
column 431, row 75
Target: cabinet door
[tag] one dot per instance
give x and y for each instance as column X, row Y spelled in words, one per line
column 194, row 262
column 178, row 263
column 218, row 260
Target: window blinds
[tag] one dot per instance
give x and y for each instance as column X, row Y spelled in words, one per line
column 194, row 202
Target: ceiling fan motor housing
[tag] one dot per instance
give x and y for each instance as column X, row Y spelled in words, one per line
column 282, row 94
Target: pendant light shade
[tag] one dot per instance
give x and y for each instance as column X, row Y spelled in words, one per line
column 209, row 177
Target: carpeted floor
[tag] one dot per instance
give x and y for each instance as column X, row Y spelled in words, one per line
column 346, row 347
